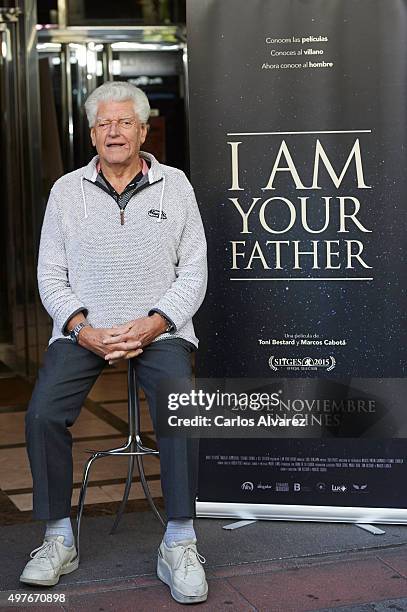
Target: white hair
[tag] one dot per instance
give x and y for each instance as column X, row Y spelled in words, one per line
column 117, row 91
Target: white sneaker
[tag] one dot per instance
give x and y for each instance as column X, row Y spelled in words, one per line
column 179, row 566
column 49, row 561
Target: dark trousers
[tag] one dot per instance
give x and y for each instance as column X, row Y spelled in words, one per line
column 64, row 381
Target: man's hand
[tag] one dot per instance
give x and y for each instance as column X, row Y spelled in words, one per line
column 94, row 339
column 125, row 341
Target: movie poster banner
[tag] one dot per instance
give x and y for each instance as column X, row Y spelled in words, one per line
column 298, row 147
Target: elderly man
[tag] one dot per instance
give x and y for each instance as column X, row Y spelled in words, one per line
column 121, row 271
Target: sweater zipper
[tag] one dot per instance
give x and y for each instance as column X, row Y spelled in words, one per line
column 121, row 208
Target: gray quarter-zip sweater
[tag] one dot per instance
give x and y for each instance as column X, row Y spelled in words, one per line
column 115, row 273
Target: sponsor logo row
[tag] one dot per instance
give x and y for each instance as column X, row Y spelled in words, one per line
column 321, row 487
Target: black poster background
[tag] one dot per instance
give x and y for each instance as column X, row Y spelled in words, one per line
column 233, row 90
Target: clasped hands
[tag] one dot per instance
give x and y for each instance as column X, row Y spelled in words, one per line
column 122, row 341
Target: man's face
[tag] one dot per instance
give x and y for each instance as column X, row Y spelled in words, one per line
column 118, row 133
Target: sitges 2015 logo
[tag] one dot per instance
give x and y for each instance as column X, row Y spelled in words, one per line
column 302, row 363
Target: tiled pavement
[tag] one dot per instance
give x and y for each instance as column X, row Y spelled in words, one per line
column 267, row 566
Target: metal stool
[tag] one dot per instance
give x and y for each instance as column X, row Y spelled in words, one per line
column 133, row 449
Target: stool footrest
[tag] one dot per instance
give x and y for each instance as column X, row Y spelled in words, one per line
column 112, row 452
column 133, row 447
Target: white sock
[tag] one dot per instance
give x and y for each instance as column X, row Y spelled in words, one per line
column 178, row 530
column 61, row 527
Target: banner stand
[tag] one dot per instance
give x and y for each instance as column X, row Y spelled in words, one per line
column 291, row 512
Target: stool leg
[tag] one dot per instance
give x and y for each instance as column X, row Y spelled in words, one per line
column 134, row 445
column 146, row 490
column 132, row 413
column 82, row 496
column 125, row 494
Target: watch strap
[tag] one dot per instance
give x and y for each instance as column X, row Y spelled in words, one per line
column 74, row 333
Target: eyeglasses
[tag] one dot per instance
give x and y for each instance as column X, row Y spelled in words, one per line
column 122, row 124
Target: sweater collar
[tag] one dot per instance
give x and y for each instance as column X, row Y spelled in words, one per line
column 155, row 172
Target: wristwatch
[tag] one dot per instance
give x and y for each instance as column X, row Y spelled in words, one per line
column 74, row 333
column 170, row 325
